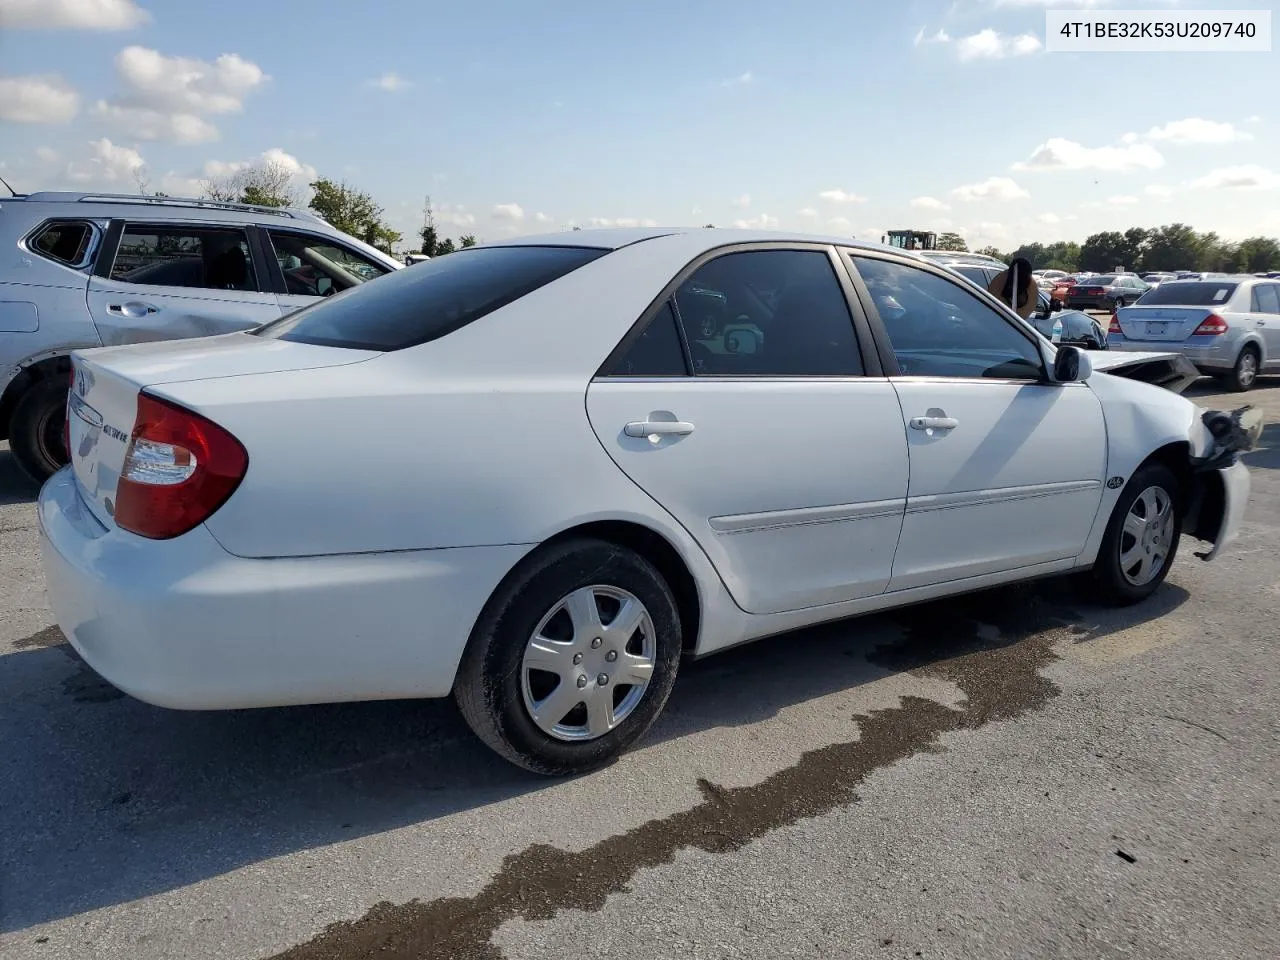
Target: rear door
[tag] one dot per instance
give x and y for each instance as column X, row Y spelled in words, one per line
column 308, row 267
column 1266, row 311
column 173, row 280
column 1006, row 469
column 743, row 405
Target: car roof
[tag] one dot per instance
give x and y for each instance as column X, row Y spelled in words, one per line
column 158, row 207
column 615, row 238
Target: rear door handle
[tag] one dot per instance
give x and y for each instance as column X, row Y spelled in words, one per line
column 659, row 428
column 934, row 423
column 131, row 309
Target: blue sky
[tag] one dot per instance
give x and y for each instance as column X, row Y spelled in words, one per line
column 845, row 117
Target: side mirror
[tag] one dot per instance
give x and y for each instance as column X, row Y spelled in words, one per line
column 1071, row 365
column 1055, row 305
column 324, row 286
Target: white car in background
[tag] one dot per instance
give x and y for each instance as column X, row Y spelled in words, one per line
column 534, row 474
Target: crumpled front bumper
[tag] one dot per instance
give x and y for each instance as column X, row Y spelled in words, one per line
column 1222, row 490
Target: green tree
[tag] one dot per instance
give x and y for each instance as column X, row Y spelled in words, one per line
column 952, row 241
column 1173, row 247
column 1035, row 253
column 1259, row 254
column 267, row 184
column 1063, row 255
column 352, row 211
column 1103, row 252
column 995, row 252
column 467, row 240
column 429, row 234
column 1217, row 254
column 443, row 247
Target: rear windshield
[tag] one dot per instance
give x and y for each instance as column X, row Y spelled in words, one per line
column 428, row 300
column 1189, row 293
column 1103, row 281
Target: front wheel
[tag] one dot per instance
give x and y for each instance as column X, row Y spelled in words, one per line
column 36, row 436
column 1141, row 539
column 572, row 660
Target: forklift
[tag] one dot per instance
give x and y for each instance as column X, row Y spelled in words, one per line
column 911, row 240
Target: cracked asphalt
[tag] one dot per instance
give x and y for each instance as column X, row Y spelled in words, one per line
column 1008, row 775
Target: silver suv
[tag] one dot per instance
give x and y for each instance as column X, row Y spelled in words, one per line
column 84, row 270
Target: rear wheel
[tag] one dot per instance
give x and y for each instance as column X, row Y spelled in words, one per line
column 1141, row 540
column 1121, row 302
column 1245, row 372
column 572, row 660
column 36, row 435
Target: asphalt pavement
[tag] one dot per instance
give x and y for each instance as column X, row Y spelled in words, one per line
column 1014, row 774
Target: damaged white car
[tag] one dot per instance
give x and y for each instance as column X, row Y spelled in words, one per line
column 536, row 474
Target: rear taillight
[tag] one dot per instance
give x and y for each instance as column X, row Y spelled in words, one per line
column 1211, row 326
column 178, row 469
column 1115, row 326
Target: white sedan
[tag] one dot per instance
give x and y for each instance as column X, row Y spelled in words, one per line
column 535, row 474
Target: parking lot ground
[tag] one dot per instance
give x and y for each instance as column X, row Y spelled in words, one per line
column 1010, row 775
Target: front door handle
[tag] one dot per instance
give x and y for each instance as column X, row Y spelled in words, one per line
column 658, row 428
column 133, row 308
column 934, row 423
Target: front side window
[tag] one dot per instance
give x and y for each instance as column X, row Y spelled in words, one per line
column 939, row 329
column 65, row 242
column 429, row 300
column 210, row 258
column 773, row 313
column 318, row 267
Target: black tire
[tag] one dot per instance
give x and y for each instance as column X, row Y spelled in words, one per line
column 1245, row 373
column 489, row 687
column 1121, row 302
column 1108, row 582
column 36, row 436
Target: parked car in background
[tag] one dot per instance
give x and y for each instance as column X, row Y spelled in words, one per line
column 1153, row 280
column 1229, row 328
column 953, row 256
column 1073, row 326
column 411, row 258
column 84, row 270
column 518, row 475
column 1106, row 291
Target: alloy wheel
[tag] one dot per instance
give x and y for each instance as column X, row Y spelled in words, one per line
column 1147, row 537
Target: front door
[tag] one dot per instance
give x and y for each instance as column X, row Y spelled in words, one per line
column 173, row 281
column 314, row 266
column 1006, row 469
column 744, row 411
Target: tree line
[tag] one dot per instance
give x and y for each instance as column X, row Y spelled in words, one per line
column 351, row 210
column 1174, row 246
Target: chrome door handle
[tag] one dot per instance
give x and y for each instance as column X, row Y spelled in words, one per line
column 659, row 428
column 131, row 309
column 934, row 423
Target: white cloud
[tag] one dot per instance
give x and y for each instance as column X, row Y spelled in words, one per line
column 988, row 230
column 1049, row 218
column 993, row 188
column 1058, row 153
column 391, row 83
column 740, row 80
column 1246, row 177
column 1197, row 130
column 47, row 155
column 871, row 233
column 929, row 203
column 71, row 14
column 541, row 217
column 990, row 45
column 1122, row 200
column 808, row 212
column 144, row 123
column 761, row 222
column 455, row 215
column 193, row 185
column 743, row 201
column 507, row 211
column 622, row 222
column 167, row 98
column 38, row 99
column 289, row 162
column 1056, row 4
column 841, row 196
column 940, row 223
column 106, row 164
column 842, row 224
column 1253, row 118
column 940, row 36
column 1159, row 191
column 696, row 212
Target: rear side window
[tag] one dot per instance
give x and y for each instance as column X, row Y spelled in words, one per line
column 657, row 352
column 185, row 256
column 67, row 243
column 429, row 300
column 1265, row 299
column 1199, row 293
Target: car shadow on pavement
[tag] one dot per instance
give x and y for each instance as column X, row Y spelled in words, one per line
column 15, row 486
column 1266, row 455
column 104, row 799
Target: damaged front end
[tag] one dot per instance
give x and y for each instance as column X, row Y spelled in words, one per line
column 1220, row 482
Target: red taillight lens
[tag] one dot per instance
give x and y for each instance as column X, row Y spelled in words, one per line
column 1211, row 326
column 1115, row 326
column 178, row 469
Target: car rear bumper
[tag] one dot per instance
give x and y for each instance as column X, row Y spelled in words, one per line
column 1089, row 303
column 1207, row 353
column 183, row 623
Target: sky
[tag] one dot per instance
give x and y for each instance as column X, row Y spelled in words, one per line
column 845, row 117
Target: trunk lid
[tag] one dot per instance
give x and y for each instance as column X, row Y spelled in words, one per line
column 1160, row 323
column 103, row 400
